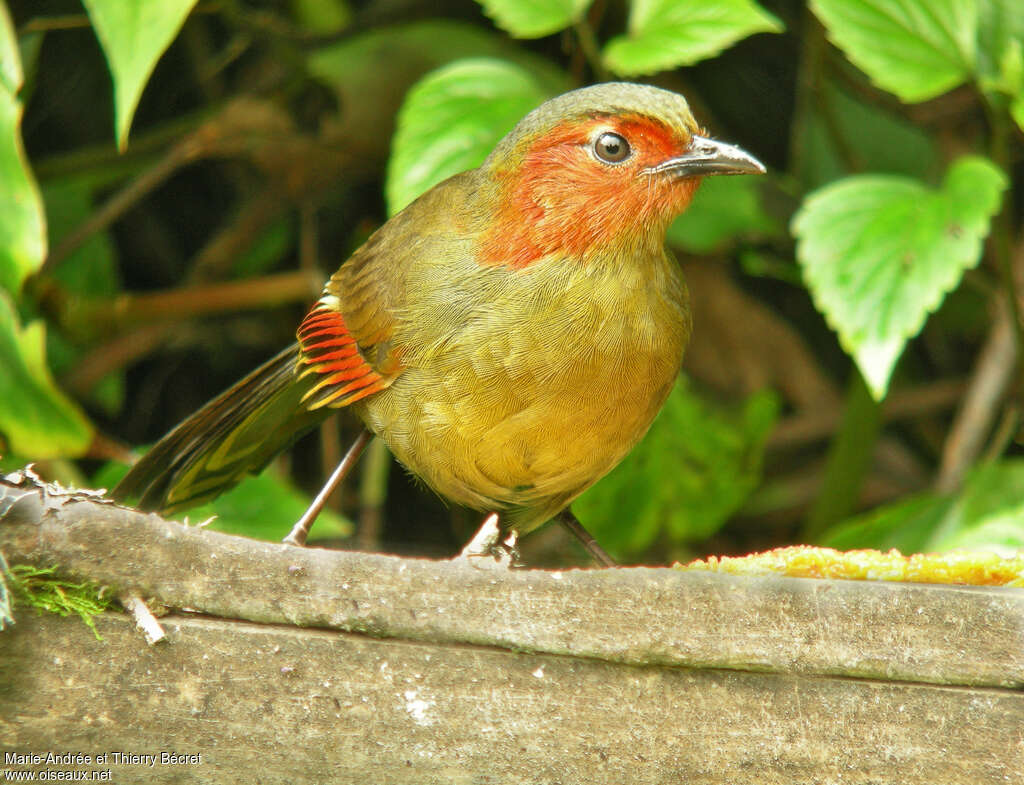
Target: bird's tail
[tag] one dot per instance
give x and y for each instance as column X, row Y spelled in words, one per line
column 235, row 434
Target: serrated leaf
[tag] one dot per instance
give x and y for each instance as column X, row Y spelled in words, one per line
column 37, row 421
column 450, row 121
column 694, row 468
column 917, row 49
column 878, row 254
column 723, row 209
column 534, row 18
column 22, row 222
column 665, row 34
column 134, row 35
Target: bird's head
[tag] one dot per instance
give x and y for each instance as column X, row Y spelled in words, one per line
column 596, row 168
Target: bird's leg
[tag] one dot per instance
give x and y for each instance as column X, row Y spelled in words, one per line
column 572, row 524
column 487, row 542
column 297, row 536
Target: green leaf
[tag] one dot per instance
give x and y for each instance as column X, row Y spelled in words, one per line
column 907, row 525
column 264, row 507
column 987, row 513
column 22, row 222
column 696, row 466
column 665, row 34
column 134, row 34
column 452, row 119
column 916, row 49
column 36, row 420
column 724, row 209
column 879, row 253
column 534, row 18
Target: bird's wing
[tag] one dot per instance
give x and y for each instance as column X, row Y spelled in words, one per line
column 345, row 339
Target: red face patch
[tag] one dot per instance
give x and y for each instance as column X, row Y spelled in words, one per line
column 564, row 200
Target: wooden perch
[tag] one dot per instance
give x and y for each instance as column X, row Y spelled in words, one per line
column 580, row 676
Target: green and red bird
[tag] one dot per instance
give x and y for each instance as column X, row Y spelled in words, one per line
column 510, row 335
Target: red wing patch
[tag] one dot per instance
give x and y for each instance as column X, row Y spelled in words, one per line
column 330, row 351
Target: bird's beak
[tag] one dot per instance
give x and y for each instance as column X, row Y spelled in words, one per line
column 707, row 157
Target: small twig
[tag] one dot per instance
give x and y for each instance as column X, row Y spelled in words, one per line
column 113, row 355
column 1000, row 238
column 989, row 381
column 591, row 49
column 237, row 236
column 144, row 618
column 189, row 301
column 1003, row 434
column 915, row 402
column 308, row 239
column 47, row 24
column 122, row 201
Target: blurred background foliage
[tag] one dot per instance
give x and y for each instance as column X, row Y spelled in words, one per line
column 177, row 178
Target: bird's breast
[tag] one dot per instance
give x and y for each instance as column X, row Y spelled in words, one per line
column 523, row 387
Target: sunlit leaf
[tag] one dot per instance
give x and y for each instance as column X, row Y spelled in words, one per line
column 36, row 420
column 693, row 469
column 665, row 34
column 917, row 49
column 534, row 18
column 452, row 119
column 879, row 253
column 134, row 34
column 22, row 222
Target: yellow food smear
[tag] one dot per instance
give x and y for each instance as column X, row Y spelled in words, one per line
column 972, row 568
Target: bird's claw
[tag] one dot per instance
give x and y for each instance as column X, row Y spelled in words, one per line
column 487, row 549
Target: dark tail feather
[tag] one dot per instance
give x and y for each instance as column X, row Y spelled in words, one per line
column 235, row 434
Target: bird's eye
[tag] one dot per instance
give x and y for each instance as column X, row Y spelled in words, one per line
column 611, row 148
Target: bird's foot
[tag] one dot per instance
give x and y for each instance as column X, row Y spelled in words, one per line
column 487, row 549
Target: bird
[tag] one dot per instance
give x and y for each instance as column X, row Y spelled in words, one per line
column 510, row 335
